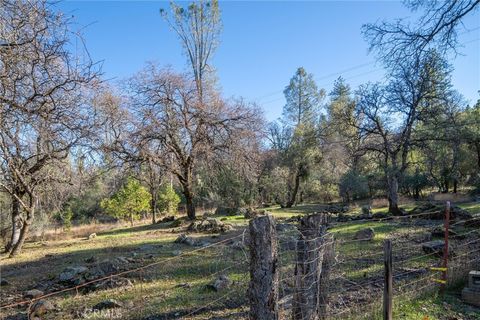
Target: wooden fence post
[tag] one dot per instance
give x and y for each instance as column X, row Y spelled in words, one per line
column 328, row 259
column 388, row 288
column 263, row 289
column 308, row 268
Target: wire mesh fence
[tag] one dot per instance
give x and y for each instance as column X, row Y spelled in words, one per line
column 328, row 272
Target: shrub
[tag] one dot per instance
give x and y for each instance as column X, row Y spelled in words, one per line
column 353, row 186
column 168, row 200
column 128, row 202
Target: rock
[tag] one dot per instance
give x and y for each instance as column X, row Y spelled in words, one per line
column 221, row 283
column 437, row 212
column 92, row 236
column 184, row 239
column 114, row 282
column 211, row 225
column 435, row 246
column 343, row 217
column 108, row 267
column 366, row 234
column 167, row 219
column 283, row 227
column 40, row 308
column 202, row 243
column 122, row 260
column 32, row 294
column 146, row 247
column 71, row 273
column 227, row 211
column 4, row 282
column 183, row 285
column 175, row 223
column 367, row 211
column 380, row 215
column 252, row 213
column 176, row 252
column 440, row 232
column 108, row 304
column 92, row 259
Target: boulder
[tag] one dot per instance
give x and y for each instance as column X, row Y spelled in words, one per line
column 227, row 211
column 114, row 282
column 175, row 223
column 380, row 215
column 146, row 247
column 435, row 246
column 4, row 282
column 366, row 234
column 221, row 283
column 92, row 236
column 108, row 267
column 71, row 273
column 281, row 227
column 92, row 259
column 367, row 211
column 108, row 304
column 32, row 294
column 40, row 308
column 176, row 252
column 166, row 219
column 440, row 232
column 184, row 239
column 437, row 212
column 252, row 213
column 210, row 225
column 343, row 217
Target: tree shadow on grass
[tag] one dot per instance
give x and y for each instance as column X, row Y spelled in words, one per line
column 188, row 267
column 146, row 227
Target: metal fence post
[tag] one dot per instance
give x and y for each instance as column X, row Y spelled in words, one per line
column 388, row 287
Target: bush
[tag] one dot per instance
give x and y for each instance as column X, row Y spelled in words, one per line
column 168, row 200
column 128, row 202
column 353, row 186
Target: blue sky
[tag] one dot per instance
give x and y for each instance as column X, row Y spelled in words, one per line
column 262, row 44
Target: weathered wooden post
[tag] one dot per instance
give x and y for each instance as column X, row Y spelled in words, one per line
column 328, row 259
column 263, row 289
column 388, row 287
column 308, row 268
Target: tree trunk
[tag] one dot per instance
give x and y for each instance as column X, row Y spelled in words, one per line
column 131, row 219
column 455, row 185
column 190, row 205
column 16, row 225
column 477, row 146
column 293, row 195
column 23, row 233
column 393, row 195
column 154, row 206
column 187, row 192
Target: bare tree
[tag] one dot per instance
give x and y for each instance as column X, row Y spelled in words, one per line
column 198, row 27
column 190, row 131
column 44, row 111
column 436, row 28
column 389, row 115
